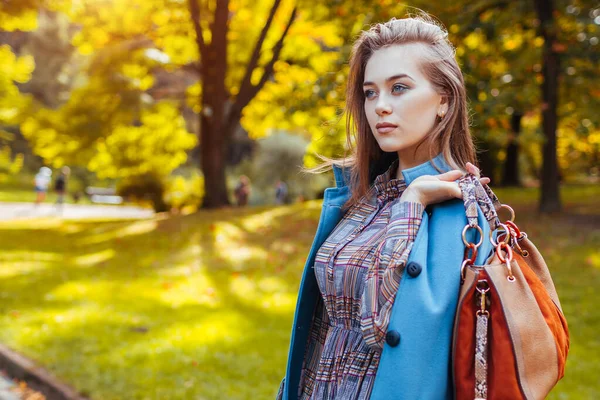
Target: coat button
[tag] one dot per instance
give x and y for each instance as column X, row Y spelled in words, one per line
column 413, row 269
column 392, row 338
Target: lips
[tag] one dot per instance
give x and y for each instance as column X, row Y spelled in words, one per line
column 385, row 127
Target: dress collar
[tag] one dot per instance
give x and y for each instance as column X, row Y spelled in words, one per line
column 387, row 186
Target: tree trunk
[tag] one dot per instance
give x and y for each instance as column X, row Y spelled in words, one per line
column 550, row 194
column 511, row 164
column 486, row 161
column 214, row 136
column 212, row 162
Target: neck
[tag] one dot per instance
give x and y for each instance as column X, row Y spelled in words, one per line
column 408, row 159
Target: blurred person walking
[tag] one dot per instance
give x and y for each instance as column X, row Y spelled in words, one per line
column 242, row 191
column 60, row 186
column 281, row 192
column 42, row 181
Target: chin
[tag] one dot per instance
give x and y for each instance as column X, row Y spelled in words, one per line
column 390, row 145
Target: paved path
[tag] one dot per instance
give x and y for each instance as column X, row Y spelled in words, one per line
column 5, row 389
column 12, row 211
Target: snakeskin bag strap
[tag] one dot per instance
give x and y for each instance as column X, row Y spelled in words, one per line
column 475, row 193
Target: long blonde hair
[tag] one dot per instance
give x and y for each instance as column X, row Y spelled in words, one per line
column 451, row 135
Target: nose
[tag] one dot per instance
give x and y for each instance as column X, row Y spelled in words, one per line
column 383, row 106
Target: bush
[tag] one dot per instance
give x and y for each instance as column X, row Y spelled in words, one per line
column 280, row 157
column 183, row 192
column 143, row 188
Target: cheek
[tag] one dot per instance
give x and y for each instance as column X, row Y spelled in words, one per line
column 370, row 112
column 418, row 113
column 420, row 105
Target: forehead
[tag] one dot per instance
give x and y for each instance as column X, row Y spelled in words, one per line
column 394, row 60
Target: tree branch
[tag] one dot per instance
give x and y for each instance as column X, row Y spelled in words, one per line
column 195, row 15
column 220, row 25
column 489, row 6
column 249, row 91
column 268, row 71
column 247, row 80
column 477, row 12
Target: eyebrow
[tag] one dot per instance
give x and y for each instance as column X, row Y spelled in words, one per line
column 391, row 78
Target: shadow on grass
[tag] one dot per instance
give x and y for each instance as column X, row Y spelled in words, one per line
column 183, row 307
column 201, row 306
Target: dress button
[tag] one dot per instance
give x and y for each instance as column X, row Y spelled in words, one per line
column 413, row 269
column 392, row 338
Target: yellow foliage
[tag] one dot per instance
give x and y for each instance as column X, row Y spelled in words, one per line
column 9, row 165
column 182, row 191
column 13, row 70
column 476, row 40
column 26, row 21
column 538, row 41
column 158, row 146
column 513, row 43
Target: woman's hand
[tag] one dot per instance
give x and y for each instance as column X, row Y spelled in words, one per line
column 432, row 189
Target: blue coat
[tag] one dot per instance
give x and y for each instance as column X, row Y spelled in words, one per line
column 419, row 366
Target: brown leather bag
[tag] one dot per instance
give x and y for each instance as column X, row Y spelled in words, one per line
column 510, row 335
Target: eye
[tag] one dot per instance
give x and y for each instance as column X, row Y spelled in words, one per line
column 369, row 93
column 398, row 88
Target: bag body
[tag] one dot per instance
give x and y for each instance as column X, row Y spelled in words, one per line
column 510, row 336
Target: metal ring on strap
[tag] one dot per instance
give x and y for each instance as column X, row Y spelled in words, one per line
column 464, row 232
column 512, row 212
column 506, row 238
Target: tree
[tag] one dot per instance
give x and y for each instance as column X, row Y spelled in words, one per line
column 109, row 127
column 13, row 70
column 236, row 52
column 511, row 175
column 525, row 54
column 221, row 113
column 550, row 196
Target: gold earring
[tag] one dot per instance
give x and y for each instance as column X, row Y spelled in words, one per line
column 442, row 114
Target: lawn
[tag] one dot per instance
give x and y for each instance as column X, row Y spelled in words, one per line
column 19, row 188
column 200, row 306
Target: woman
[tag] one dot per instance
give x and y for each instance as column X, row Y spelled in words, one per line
column 41, row 182
column 378, row 296
column 242, row 191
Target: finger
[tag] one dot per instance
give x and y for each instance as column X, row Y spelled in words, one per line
column 473, row 169
column 451, row 175
column 485, row 181
column 453, row 190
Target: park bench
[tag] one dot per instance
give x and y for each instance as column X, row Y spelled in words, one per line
column 99, row 195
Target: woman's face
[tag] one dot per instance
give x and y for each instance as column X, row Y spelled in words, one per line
column 401, row 105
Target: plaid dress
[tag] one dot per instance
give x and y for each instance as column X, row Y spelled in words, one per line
column 358, row 270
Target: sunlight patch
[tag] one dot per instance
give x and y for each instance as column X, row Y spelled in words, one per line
column 94, row 258
column 270, row 293
column 195, row 290
column 7, row 255
column 133, row 229
column 222, row 327
column 237, row 255
column 253, row 222
column 12, row 269
column 593, row 260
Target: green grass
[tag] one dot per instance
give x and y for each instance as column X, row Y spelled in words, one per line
column 11, row 195
column 19, row 188
column 201, row 306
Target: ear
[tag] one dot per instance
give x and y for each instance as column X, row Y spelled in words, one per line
column 443, row 107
